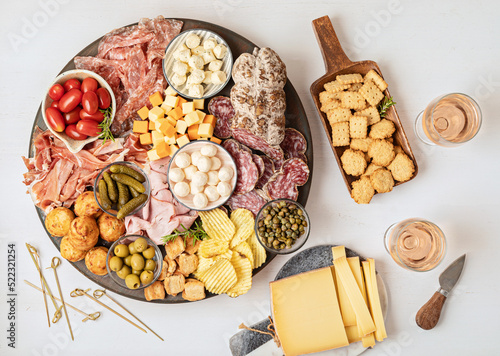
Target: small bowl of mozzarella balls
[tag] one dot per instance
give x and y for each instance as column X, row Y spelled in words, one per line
column 197, row 63
column 202, row 175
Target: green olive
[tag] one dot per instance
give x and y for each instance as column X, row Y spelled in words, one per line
column 127, row 260
column 147, row 277
column 115, row 263
column 132, row 281
column 132, row 249
column 141, row 244
column 137, row 261
column 121, row 250
column 150, row 265
column 149, row 253
column 124, row 272
column 137, row 272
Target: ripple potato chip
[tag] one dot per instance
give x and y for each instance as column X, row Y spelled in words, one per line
column 212, row 247
column 220, row 277
column 244, row 222
column 258, row 252
column 217, row 224
column 245, row 250
column 243, row 269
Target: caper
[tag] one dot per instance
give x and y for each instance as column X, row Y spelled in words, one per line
column 295, row 235
column 304, row 223
column 301, row 228
column 276, row 243
column 300, row 212
column 295, row 227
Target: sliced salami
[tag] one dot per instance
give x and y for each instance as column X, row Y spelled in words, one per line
column 259, row 162
column 268, row 172
column 222, row 109
column 252, row 201
column 294, row 144
column 248, row 173
column 255, row 142
column 283, row 184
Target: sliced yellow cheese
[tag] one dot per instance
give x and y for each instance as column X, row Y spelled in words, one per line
column 374, row 298
column 348, row 315
column 352, row 334
column 306, row 313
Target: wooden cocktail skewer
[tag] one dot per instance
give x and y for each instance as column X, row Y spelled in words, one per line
column 93, row 316
column 36, row 258
column 79, row 292
column 56, row 262
column 98, row 293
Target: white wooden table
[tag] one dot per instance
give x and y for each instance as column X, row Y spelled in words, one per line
column 424, row 49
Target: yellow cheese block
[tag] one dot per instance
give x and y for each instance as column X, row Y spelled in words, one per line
column 181, row 126
column 140, row 126
column 201, row 116
column 171, row 120
column 182, row 140
column 199, row 103
column 348, row 315
column 143, row 112
column 146, row 139
column 157, row 137
column 156, row 99
column 170, row 91
column 172, row 140
column 153, row 155
column 173, row 149
column 193, row 132
column 166, row 107
column 367, row 340
column 187, row 107
column 175, row 113
column 191, row 118
column 171, row 100
column 167, row 130
column 205, row 130
column 374, row 298
column 306, row 313
column 156, row 113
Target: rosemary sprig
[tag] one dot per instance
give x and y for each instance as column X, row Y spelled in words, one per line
column 105, row 125
column 385, row 105
column 196, row 232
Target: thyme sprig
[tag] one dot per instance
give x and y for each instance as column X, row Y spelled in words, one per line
column 105, row 125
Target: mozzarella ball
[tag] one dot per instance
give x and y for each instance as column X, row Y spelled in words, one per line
column 208, row 57
column 216, row 163
column 181, row 189
column 178, row 79
column 196, row 62
column 220, row 51
column 180, row 68
column 218, row 77
column 224, row 189
column 195, row 189
column 225, row 174
column 182, row 160
column 198, row 50
column 204, row 164
column 200, row 201
column 196, row 91
column 192, row 40
column 212, row 193
column 213, row 178
column 215, row 65
column 190, row 171
column 200, row 178
column 184, row 55
column 176, row 175
column 196, row 76
column 195, row 156
column 210, row 43
column 208, row 77
column 209, row 150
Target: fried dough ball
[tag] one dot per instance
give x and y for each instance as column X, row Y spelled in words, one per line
column 69, row 252
column 83, row 233
column 95, row 260
column 86, row 205
column 58, row 221
column 110, row 227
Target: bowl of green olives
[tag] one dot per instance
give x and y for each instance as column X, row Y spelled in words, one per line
column 121, row 189
column 134, row 261
column 282, row 226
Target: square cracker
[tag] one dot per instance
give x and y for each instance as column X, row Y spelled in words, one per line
column 352, row 100
column 332, row 104
column 371, row 93
column 358, row 126
column 355, row 87
column 377, row 79
column 349, row 78
column 335, row 86
column 325, row 96
column 338, row 115
column 371, row 113
column 340, row 134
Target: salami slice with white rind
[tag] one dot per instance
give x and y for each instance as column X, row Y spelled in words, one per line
column 222, row 109
column 255, row 142
column 283, row 184
column 252, row 201
column 248, row 173
column 269, row 170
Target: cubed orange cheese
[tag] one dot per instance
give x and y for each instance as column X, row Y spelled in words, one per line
column 181, row 126
column 176, row 113
column 210, row 119
column 205, row 130
column 158, row 124
column 153, row 155
column 140, row 126
column 215, row 139
column 170, row 140
column 156, row 99
column 199, row 103
column 143, row 112
column 187, row 107
column 163, row 149
column 201, row 116
column 181, row 101
column 146, row 139
column 182, row 140
column 171, row 120
column 191, row 118
column 167, row 130
column 151, row 126
column 193, row 132
column 173, row 149
column 156, row 137
column 170, row 91
column 171, row 100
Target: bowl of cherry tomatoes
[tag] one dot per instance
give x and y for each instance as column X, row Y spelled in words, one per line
column 79, row 108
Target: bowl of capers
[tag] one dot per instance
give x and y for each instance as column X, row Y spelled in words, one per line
column 282, row 226
column 134, row 261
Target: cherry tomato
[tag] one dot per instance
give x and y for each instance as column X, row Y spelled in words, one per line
column 70, row 100
column 56, row 92
column 88, row 127
column 89, row 84
column 55, row 104
column 72, row 84
column 73, row 133
column 90, row 103
column 55, row 119
column 73, row 116
column 104, row 98
column 98, row 116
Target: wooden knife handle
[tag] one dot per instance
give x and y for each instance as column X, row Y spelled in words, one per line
column 428, row 316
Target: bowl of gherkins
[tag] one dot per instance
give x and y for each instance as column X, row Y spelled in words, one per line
column 121, row 189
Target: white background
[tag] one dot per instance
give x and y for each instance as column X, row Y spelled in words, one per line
column 424, row 48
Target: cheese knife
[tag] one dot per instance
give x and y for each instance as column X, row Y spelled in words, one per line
column 428, row 316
